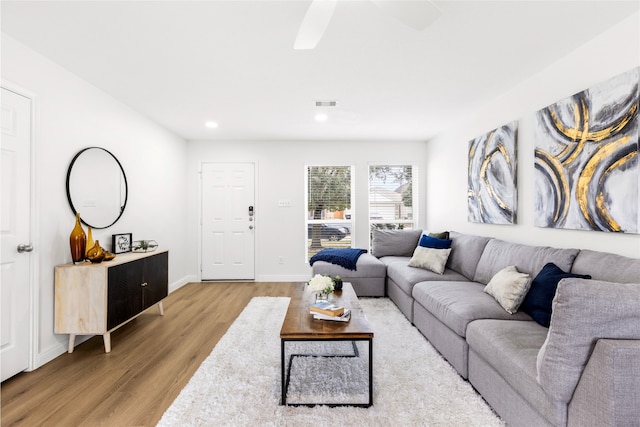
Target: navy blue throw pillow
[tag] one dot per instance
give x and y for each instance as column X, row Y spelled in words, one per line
column 537, row 303
column 434, row 242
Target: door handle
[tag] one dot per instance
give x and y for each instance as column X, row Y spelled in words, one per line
column 25, row 248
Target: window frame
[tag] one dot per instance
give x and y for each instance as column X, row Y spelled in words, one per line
column 309, row 221
column 414, row 220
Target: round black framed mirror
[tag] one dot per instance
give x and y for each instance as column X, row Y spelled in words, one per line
column 97, row 187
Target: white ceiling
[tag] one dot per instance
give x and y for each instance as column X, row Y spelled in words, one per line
column 182, row 63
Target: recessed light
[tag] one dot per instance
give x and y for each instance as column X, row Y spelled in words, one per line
column 211, row 125
column 321, row 117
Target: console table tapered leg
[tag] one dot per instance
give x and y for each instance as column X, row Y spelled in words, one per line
column 107, row 342
column 161, row 308
column 72, row 342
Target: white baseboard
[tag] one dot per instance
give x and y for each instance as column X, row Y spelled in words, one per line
column 56, row 350
column 181, row 282
column 48, row 355
column 283, row 278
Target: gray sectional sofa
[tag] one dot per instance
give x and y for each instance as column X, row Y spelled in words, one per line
column 582, row 370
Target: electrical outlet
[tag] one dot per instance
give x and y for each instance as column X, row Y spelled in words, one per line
column 284, row 203
column 281, row 259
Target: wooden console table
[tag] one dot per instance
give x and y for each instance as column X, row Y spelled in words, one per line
column 92, row 299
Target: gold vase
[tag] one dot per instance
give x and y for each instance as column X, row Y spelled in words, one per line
column 77, row 241
column 90, row 241
column 96, row 253
column 108, row 256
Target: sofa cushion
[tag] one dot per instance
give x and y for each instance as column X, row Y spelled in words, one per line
column 508, row 286
column 607, row 266
column 538, row 301
column 499, row 254
column 430, row 259
column 406, row 277
column 583, row 312
column 394, row 242
column 457, row 303
column 466, row 250
column 511, row 348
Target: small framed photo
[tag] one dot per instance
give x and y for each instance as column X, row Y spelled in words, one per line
column 121, row 243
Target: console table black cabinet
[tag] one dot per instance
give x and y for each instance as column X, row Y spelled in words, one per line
column 99, row 298
column 136, row 286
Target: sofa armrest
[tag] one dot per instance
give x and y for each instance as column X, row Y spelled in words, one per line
column 608, row 391
column 584, row 311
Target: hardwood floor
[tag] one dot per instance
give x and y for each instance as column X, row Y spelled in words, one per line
column 151, row 360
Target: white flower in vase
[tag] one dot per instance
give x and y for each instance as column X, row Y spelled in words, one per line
column 320, row 284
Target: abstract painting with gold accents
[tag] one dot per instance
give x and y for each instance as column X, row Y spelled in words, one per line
column 586, row 159
column 492, row 192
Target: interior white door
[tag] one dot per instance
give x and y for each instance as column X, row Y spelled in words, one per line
column 228, row 221
column 15, row 233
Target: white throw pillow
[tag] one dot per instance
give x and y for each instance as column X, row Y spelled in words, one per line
column 509, row 287
column 430, row 259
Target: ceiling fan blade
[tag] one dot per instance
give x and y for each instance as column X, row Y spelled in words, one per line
column 417, row 14
column 315, row 23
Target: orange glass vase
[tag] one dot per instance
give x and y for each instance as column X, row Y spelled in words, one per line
column 77, row 241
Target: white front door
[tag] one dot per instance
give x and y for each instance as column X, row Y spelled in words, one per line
column 228, row 221
column 15, row 233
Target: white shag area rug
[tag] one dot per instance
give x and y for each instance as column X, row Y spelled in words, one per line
column 239, row 382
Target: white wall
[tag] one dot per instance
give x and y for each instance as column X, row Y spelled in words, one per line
column 280, row 232
column 613, row 52
column 73, row 114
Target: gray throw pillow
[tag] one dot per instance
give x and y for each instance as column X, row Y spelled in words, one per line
column 508, row 286
column 430, row 259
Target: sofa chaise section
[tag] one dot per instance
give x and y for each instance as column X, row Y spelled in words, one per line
column 368, row 279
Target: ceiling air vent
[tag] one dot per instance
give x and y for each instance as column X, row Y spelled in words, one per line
column 326, row 103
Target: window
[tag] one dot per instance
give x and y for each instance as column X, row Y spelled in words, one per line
column 329, row 195
column 392, row 196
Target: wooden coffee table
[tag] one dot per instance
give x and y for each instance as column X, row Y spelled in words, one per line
column 299, row 325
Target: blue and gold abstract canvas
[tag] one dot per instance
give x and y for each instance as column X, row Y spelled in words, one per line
column 492, row 190
column 586, row 159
